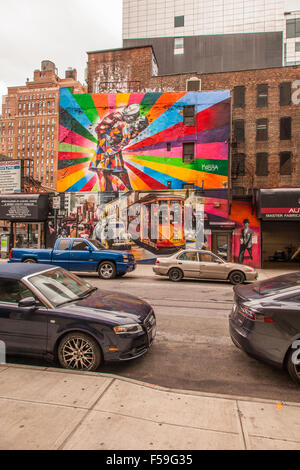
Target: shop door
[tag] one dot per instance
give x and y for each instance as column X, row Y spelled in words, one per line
column 221, row 244
column 28, row 235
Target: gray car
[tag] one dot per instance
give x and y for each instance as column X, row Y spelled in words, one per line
column 202, row 264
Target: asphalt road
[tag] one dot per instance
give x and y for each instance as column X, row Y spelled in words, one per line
column 193, row 349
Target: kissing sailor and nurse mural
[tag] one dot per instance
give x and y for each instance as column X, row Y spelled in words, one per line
column 134, row 144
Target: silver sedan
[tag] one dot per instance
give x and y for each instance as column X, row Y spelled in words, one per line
column 202, row 264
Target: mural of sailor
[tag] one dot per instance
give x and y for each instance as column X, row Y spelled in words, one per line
column 114, row 133
column 246, row 241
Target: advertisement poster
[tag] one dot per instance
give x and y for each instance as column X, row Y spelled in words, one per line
column 10, row 177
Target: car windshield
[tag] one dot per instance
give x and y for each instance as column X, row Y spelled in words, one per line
column 97, row 245
column 60, row 286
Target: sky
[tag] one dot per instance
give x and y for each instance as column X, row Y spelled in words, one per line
column 61, row 31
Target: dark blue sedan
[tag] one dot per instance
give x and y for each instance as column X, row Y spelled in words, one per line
column 48, row 311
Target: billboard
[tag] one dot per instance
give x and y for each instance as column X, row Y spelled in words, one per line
column 10, row 176
column 143, row 141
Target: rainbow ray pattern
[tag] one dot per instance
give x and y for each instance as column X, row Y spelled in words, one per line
column 152, row 159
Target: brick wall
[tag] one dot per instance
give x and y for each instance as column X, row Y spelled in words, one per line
column 129, row 70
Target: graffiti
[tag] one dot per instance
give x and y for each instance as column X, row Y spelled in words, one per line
column 102, row 148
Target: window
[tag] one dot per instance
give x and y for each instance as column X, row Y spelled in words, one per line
column 188, row 256
column 239, row 130
column 285, row 93
column 79, row 245
column 297, row 47
column 261, row 129
column 188, row 149
column 262, row 164
column 193, row 84
column 178, row 46
column 12, row 290
column 293, row 28
column 285, row 163
column 262, row 95
column 239, row 97
column 189, row 115
column 178, row 21
column 238, row 164
column 64, row 245
column 169, row 145
column 285, row 128
column 209, row 258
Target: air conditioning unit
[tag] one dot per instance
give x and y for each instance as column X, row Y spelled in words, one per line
column 193, row 84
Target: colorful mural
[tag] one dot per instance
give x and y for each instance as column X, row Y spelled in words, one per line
column 134, row 141
column 154, row 223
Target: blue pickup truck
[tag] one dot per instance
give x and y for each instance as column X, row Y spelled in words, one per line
column 77, row 254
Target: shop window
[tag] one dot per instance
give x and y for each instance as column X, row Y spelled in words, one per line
column 188, row 152
column 178, row 21
column 285, row 128
column 189, row 115
column 262, row 95
column 239, row 130
column 262, row 164
column 285, row 163
column 261, row 129
column 239, row 97
column 285, row 93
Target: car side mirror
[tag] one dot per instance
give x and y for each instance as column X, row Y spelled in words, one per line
column 28, row 302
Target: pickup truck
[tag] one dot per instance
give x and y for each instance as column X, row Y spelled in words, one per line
column 78, row 254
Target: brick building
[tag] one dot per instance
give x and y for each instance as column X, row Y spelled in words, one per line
column 265, row 120
column 29, row 120
column 265, row 142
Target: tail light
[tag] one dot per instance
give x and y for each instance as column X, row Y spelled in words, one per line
column 157, row 261
column 253, row 315
column 247, row 312
column 10, row 253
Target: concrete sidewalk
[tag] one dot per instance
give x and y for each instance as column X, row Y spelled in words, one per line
column 48, row 408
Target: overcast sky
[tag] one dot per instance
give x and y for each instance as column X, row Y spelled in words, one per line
column 59, row 30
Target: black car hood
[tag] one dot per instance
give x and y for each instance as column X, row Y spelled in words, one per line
column 108, row 304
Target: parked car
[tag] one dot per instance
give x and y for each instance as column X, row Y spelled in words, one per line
column 48, row 311
column 265, row 321
column 77, row 254
column 202, row 264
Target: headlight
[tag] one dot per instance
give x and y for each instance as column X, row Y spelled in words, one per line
column 125, row 259
column 249, row 270
column 128, row 329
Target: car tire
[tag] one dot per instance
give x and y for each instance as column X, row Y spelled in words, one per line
column 107, row 270
column 79, row 351
column 236, row 277
column 29, row 260
column 175, row 274
column 293, row 369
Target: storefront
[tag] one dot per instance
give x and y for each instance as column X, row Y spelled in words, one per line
column 26, row 216
column 279, row 211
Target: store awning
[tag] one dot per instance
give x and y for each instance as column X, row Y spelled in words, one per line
column 279, row 204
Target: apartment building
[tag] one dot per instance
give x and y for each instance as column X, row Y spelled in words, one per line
column 29, row 120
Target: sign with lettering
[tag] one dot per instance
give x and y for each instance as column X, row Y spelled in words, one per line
column 10, row 177
column 24, row 207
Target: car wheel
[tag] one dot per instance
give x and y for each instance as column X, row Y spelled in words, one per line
column 236, row 277
column 107, row 270
column 79, row 351
column 29, row 260
column 292, row 368
column 175, row 274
